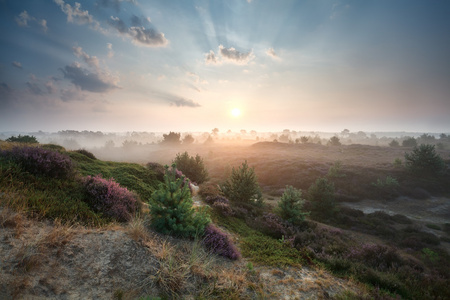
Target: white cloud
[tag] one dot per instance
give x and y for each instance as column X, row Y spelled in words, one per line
column 110, row 50
column 79, row 16
column 270, row 52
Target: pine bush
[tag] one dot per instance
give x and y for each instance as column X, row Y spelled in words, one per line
column 192, row 167
column 290, row 205
column 171, row 208
column 423, row 160
column 321, row 196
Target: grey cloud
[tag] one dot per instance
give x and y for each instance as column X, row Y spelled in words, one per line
column 184, row 102
column 233, row 55
column 33, row 88
column 87, row 81
column 211, row 58
column 77, row 15
column 90, row 60
column 110, row 50
column 142, row 21
column 175, row 100
column 23, row 18
column 50, row 88
column 139, row 34
column 17, row 64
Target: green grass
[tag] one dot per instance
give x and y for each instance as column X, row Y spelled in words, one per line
column 260, row 248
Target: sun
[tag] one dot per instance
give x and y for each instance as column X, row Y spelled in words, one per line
column 235, row 112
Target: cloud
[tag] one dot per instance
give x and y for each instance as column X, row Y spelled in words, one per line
column 110, row 50
column 17, row 64
column 211, row 58
column 23, row 18
column 230, row 55
column 270, row 52
column 88, row 81
column 140, row 35
column 175, row 100
column 90, row 60
column 33, row 88
column 184, row 102
column 76, row 15
column 50, row 87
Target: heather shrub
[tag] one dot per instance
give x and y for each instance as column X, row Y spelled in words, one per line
column 218, row 242
column 242, row 186
column 376, row 256
column 321, row 196
column 220, row 204
column 290, row 205
column 171, row 208
column 424, row 160
column 158, row 169
column 86, row 153
column 108, row 197
column 192, row 167
column 208, row 189
column 274, row 226
column 39, row 161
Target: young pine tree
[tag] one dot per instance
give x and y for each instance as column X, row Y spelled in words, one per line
column 171, row 208
column 290, row 206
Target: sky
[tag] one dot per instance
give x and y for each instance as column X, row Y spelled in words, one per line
column 179, row 65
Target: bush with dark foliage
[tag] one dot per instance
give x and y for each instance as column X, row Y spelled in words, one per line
column 192, row 167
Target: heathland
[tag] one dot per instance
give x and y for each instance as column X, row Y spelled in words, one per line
column 275, row 218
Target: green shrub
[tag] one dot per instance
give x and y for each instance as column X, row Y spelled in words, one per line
column 388, row 183
column 291, row 205
column 335, row 170
column 321, row 196
column 86, row 153
column 192, row 167
column 171, row 208
column 23, row 139
column 409, row 142
column 424, row 160
column 242, row 186
column 334, row 141
column 394, row 143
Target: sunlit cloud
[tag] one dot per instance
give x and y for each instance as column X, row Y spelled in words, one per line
column 271, row 53
column 79, row 16
column 228, row 55
column 90, row 60
column 140, row 35
column 115, row 4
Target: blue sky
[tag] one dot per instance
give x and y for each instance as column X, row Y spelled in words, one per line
column 118, row 65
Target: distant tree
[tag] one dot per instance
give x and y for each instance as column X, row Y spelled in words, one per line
column 394, row 143
column 109, row 144
column 290, row 206
column 243, row 131
column 188, row 139
column 242, row 186
column 345, row 133
column 334, row 141
column 321, row 196
column 409, row 142
column 23, row 139
column 215, row 131
column 192, row 167
column 284, row 138
column 443, row 136
column 128, row 145
column 209, row 140
column 304, row 139
column 172, row 138
column 424, row 160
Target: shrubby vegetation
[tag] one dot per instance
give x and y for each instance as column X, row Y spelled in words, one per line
column 218, row 242
column 109, row 198
column 192, row 167
column 242, row 186
column 291, row 205
column 321, row 196
column 23, row 139
column 171, row 139
column 424, row 160
column 40, row 161
column 171, row 208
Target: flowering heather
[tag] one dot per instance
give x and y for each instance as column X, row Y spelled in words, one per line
column 274, row 226
column 39, row 161
column 377, row 256
column 218, row 242
column 110, row 198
